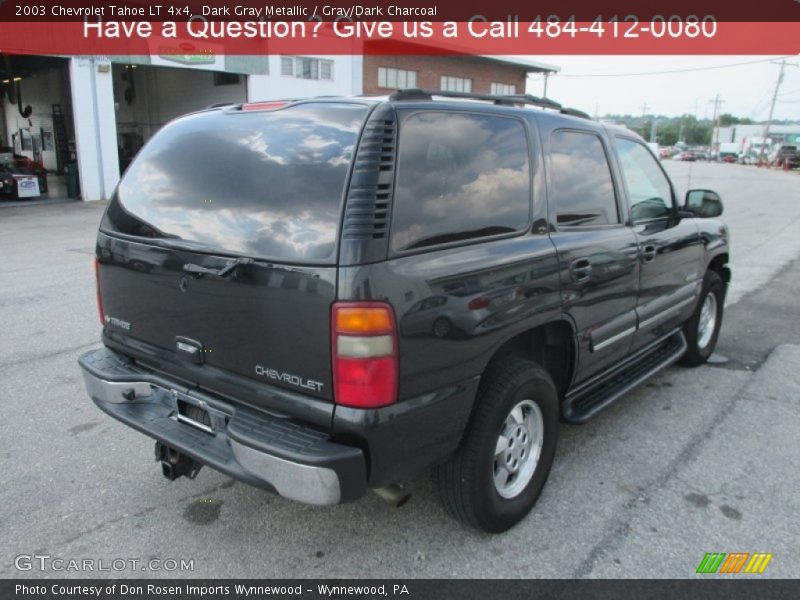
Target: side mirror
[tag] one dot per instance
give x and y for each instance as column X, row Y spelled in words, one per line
column 704, row 204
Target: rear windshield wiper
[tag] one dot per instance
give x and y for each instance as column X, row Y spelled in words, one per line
column 198, row 271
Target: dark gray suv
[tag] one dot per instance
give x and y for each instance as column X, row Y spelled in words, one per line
column 324, row 296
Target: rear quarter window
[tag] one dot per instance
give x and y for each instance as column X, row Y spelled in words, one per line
column 459, row 177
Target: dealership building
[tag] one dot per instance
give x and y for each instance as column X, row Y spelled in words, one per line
column 740, row 134
column 96, row 112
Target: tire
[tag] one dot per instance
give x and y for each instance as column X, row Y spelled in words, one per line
column 466, row 482
column 441, row 327
column 700, row 347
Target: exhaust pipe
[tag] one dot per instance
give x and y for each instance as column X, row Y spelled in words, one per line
column 393, row 494
column 174, row 464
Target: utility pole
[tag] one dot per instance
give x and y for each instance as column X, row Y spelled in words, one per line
column 644, row 112
column 715, row 132
column 783, row 64
column 653, row 128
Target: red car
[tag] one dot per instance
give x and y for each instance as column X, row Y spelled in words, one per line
column 34, row 167
column 18, row 183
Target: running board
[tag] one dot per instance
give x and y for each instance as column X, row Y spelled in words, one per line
column 581, row 406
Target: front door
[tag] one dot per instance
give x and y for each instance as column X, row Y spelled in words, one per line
column 670, row 250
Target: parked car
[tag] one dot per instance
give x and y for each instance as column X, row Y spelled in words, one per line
column 287, row 326
column 18, row 183
column 34, row 168
column 686, row 156
column 786, row 156
column 7, row 182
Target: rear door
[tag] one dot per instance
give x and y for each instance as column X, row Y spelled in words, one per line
column 670, row 250
column 218, row 253
column 596, row 250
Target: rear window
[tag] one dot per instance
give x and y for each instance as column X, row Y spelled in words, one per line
column 263, row 184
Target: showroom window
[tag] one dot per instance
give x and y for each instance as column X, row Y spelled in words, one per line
column 396, row 78
column 303, row 67
column 503, row 89
column 455, row 84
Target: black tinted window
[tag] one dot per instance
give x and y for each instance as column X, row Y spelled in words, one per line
column 581, row 188
column 459, row 177
column 263, row 183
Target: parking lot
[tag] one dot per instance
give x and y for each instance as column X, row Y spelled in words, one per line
column 695, row 461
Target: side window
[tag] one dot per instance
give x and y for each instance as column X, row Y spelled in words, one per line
column 648, row 187
column 581, row 188
column 460, row 176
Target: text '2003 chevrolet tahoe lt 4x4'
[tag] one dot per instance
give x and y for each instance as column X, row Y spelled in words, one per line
column 325, row 296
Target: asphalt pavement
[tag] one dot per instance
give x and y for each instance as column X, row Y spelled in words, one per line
column 695, row 461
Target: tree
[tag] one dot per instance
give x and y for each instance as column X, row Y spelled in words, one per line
column 727, row 119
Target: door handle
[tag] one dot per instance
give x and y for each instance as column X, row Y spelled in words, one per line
column 648, row 253
column 580, row 270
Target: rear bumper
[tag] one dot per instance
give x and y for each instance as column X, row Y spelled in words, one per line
column 280, row 454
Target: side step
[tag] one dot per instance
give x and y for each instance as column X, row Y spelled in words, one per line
column 588, row 402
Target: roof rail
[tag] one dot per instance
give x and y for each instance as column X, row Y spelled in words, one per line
column 503, row 100
column 574, row 112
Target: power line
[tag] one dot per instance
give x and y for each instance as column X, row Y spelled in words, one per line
column 711, row 68
column 761, row 104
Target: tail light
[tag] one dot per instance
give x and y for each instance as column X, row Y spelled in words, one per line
column 478, row 303
column 100, row 312
column 365, row 366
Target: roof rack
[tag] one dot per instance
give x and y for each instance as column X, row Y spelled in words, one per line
column 503, row 100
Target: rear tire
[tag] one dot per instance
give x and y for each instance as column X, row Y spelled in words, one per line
column 702, row 328
column 495, row 477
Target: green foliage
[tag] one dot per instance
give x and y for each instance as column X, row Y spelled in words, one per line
column 727, row 119
column 671, row 130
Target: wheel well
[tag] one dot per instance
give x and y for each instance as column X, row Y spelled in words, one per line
column 551, row 346
column 719, row 264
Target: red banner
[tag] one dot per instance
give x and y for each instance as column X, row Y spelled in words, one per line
column 397, row 10
column 200, row 37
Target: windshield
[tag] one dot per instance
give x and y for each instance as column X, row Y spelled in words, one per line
column 263, row 184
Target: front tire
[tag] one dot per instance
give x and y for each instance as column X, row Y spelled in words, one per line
column 495, row 477
column 702, row 328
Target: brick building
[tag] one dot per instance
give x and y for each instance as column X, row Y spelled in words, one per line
column 477, row 74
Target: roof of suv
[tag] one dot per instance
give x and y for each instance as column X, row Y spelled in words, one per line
column 418, row 98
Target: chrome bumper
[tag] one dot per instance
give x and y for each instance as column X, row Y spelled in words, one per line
column 296, row 461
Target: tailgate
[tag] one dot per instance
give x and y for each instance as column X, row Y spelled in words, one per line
column 218, row 251
column 265, row 321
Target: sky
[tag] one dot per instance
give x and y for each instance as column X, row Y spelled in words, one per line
column 746, row 90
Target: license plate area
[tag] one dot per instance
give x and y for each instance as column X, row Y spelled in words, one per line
column 196, row 413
